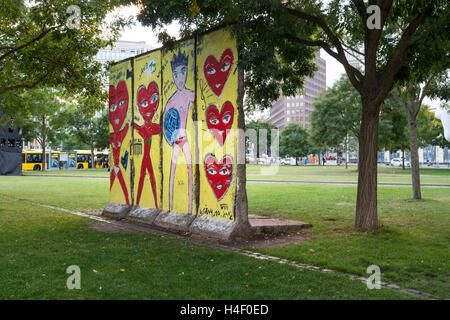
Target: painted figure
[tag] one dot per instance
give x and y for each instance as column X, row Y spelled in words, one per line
column 148, row 101
column 118, row 106
column 175, row 118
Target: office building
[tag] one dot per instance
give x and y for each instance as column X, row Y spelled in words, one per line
column 299, row 107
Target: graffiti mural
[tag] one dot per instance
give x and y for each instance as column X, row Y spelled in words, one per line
column 217, row 114
column 173, row 135
column 147, row 139
column 178, row 129
column 120, row 133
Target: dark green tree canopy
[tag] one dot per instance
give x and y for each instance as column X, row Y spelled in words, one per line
column 277, row 37
column 336, row 114
column 41, row 45
column 294, row 141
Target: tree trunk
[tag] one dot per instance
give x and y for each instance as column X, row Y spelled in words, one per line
column 403, row 159
column 44, row 141
column 366, row 201
column 92, row 155
column 414, row 149
column 346, row 153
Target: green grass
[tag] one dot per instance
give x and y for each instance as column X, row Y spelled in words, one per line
column 38, row 244
column 340, row 170
column 347, row 178
column 411, row 247
column 78, row 172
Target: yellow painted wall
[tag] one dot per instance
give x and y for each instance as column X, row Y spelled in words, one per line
column 147, row 69
column 180, row 197
column 118, row 72
column 217, row 87
column 215, row 101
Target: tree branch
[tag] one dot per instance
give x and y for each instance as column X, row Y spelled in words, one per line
column 27, row 85
column 37, row 38
column 352, row 72
column 396, row 61
column 427, row 84
column 354, row 75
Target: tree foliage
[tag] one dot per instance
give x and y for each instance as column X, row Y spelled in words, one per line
column 38, row 48
column 336, row 114
column 430, row 129
column 294, row 141
column 394, row 131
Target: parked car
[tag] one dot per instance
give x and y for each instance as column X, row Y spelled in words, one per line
column 397, row 162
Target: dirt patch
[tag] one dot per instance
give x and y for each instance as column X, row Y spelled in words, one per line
column 113, row 228
column 274, row 240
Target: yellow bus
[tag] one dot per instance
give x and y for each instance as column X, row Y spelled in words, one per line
column 54, row 160
column 32, row 160
column 101, row 160
column 84, row 159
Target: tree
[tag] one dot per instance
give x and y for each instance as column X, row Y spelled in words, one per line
column 263, row 130
column 294, row 142
column 43, row 122
column 336, row 116
column 394, row 132
column 410, row 95
column 43, row 45
column 277, row 39
column 87, row 128
column 430, row 130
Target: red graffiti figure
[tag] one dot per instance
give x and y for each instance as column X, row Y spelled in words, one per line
column 148, row 101
column 118, row 106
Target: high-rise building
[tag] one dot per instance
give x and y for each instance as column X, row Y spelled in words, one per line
column 122, row 50
column 299, row 107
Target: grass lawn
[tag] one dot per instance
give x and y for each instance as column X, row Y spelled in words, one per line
column 340, row 170
column 411, row 247
column 78, row 172
column 300, row 173
column 38, row 244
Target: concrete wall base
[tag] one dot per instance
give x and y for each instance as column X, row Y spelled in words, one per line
column 145, row 215
column 214, row 228
column 174, row 221
column 116, row 210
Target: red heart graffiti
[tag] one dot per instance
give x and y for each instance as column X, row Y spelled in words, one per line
column 216, row 72
column 148, row 100
column 118, row 104
column 219, row 175
column 219, row 123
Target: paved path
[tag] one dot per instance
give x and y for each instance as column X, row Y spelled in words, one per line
column 273, row 181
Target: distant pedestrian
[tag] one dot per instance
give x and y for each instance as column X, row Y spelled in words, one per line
column 323, row 160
